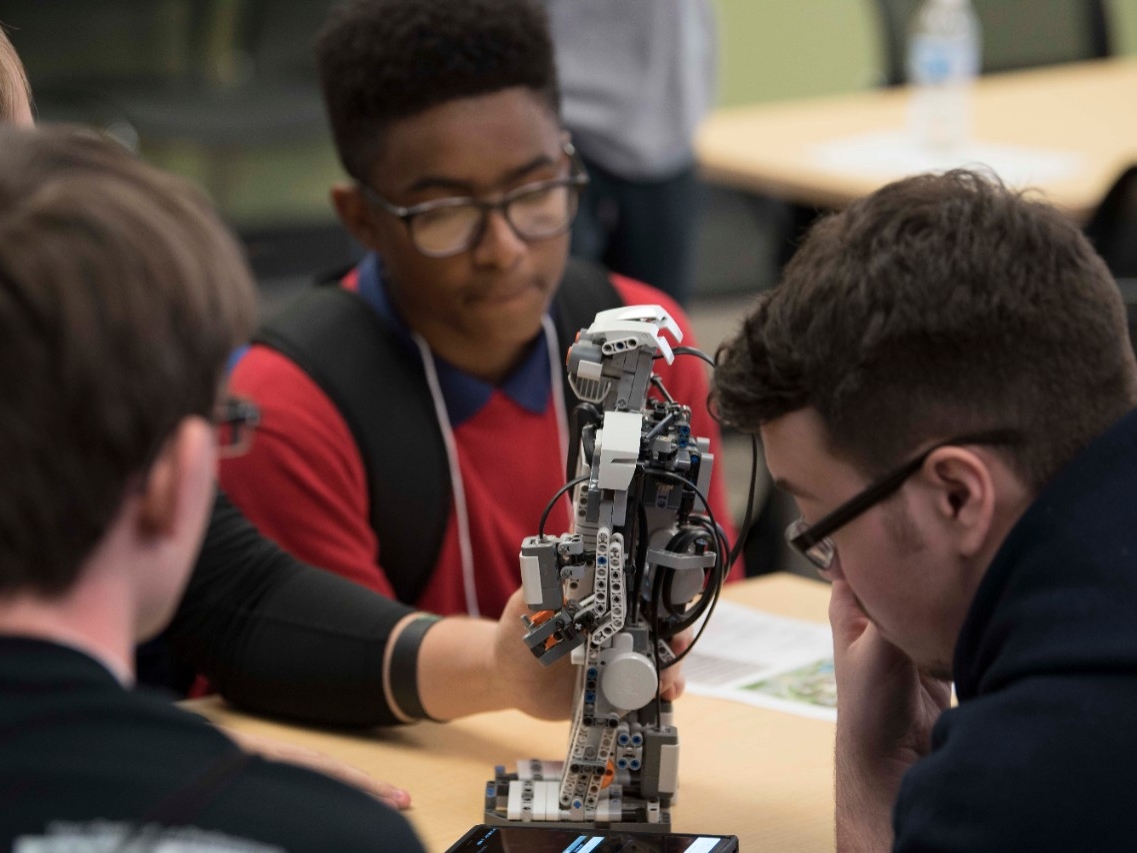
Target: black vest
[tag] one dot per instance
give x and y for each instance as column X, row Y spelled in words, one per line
column 379, row 387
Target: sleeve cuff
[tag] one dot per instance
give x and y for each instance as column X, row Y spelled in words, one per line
column 400, row 672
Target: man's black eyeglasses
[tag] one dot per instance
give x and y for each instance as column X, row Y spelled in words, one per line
column 813, row 540
column 449, row 226
column 235, row 420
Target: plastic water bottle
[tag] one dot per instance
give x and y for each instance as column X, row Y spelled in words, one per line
column 944, row 51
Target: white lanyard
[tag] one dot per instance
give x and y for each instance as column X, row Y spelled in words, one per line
column 457, row 487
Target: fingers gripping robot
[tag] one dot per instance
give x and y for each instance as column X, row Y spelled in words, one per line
column 644, row 561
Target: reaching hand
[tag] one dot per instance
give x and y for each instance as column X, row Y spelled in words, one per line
column 885, row 712
column 541, row 691
column 293, row 753
column 546, row 692
column 672, row 682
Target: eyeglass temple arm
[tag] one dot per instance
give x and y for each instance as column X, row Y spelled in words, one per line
column 880, row 490
column 873, row 495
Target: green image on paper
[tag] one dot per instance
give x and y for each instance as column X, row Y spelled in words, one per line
column 812, row 684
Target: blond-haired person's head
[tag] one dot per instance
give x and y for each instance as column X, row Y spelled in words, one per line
column 15, row 93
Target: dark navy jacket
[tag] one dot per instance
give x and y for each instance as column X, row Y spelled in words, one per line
column 1041, row 753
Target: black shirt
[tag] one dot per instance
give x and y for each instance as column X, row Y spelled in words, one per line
column 80, row 755
column 277, row 636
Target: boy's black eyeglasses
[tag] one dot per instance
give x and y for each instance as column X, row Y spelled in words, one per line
column 813, row 541
column 449, row 226
column 235, row 420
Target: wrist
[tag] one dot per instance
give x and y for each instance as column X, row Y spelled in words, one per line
column 865, row 791
column 401, row 662
column 456, row 672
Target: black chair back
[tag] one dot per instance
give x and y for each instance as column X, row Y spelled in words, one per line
column 1113, row 227
column 1017, row 34
column 1113, row 231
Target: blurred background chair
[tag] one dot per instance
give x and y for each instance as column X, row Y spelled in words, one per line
column 1017, row 34
column 1113, row 227
column 1113, row 231
column 215, row 89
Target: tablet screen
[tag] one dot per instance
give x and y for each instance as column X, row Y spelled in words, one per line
column 536, row 839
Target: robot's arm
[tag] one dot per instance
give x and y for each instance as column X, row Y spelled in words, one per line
column 638, row 566
column 611, row 364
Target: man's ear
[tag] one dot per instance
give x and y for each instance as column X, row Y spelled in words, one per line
column 173, row 487
column 355, row 214
column 964, row 493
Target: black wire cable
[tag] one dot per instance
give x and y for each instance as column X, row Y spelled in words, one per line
column 719, row 571
column 658, row 683
column 748, row 516
column 583, row 415
column 658, row 383
column 679, row 544
column 641, row 543
column 711, row 594
column 681, row 350
column 553, row 502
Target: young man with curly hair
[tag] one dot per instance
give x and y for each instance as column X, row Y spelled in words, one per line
column 944, row 383
column 463, row 187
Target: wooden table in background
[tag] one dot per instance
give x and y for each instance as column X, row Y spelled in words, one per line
column 1087, row 108
column 762, row 775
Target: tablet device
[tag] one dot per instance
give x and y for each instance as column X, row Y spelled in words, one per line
column 553, row 839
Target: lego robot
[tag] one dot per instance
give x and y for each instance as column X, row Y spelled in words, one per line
column 644, row 561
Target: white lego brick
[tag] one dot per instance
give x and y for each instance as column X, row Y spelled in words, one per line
column 531, row 578
column 668, row 767
column 546, row 796
column 589, row 370
column 513, row 809
column 538, row 803
column 619, row 449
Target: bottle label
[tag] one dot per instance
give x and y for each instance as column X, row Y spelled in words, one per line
column 939, row 60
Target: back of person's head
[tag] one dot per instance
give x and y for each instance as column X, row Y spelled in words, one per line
column 15, row 94
column 121, row 296
column 384, row 60
column 938, row 306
